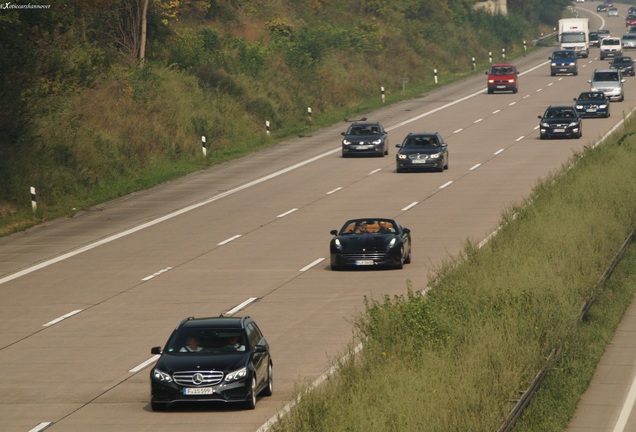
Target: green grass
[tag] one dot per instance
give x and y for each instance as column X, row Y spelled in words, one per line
column 457, row 358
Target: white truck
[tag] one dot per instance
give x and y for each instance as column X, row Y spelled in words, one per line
column 574, row 34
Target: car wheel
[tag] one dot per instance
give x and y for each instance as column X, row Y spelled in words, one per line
column 344, row 155
column 158, row 406
column 251, row 403
column 269, row 388
column 490, row 91
column 552, row 74
column 515, row 91
column 407, row 260
column 398, row 170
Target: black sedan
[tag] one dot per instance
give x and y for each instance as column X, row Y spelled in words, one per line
column 370, row 242
column 216, row 359
column 625, row 64
column 365, row 138
column 592, row 104
column 560, row 121
column 422, row 151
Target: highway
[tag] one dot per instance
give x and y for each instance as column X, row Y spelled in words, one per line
column 83, row 299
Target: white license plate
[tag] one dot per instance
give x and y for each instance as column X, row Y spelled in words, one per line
column 198, row 391
column 591, row 110
column 418, row 161
column 559, row 130
column 364, row 262
column 363, row 147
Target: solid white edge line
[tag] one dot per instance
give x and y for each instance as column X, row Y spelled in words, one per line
column 62, row 318
column 241, row 306
column 288, row 212
column 145, row 364
column 312, row 264
column 41, row 427
column 627, row 409
column 228, row 240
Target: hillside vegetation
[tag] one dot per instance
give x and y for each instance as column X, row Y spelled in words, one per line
column 89, row 121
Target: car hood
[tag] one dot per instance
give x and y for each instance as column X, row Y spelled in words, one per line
column 419, row 151
column 355, row 138
column 202, row 361
column 365, row 242
column 559, row 121
column 606, row 84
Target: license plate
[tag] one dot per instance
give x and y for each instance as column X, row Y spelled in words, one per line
column 418, row 161
column 364, row 262
column 591, row 110
column 559, row 130
column 363, row 147
column 501, row 86
column 198, row 391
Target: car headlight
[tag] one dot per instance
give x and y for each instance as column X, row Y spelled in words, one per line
column 392, row 243
column 376, row 142
column 435, row 156
column 573, row 124
column 572, row 64
column 511, row 80
column 545, row 125
column 346, row 142
column 579, row 107
column 553, row 64
column 402, row 156
column 337, row 243
column 236, row 375
column 161, row 376
column 603, row 106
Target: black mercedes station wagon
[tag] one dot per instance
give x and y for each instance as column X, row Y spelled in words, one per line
column 217, row 359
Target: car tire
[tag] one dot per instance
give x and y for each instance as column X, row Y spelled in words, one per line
column 158, row 406
column 515, row 91
column 269, row 388
column 251, row 403
column 490, row 91
column 408, row 258
column 398, row 170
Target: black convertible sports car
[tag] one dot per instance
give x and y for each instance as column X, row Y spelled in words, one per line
column 370, row 242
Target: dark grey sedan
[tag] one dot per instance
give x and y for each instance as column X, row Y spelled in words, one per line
column 421, row 151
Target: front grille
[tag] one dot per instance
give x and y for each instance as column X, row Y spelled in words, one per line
column 419, row 156
column 365, row 255
column 198, row 378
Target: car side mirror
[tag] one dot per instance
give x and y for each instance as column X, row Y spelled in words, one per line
column 539, row 117
column 155, row 350
column 333, row 232
column 444, row 145
column 398, row 145
column 260, row 349
column 342, row 133
column 486, row 73
column 406, row 230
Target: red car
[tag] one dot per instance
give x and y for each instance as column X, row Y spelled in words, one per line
column 630, row 20
column 503, row 77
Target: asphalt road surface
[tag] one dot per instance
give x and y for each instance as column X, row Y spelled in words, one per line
column 83, row 299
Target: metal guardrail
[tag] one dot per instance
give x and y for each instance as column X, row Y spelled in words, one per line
column 526, row 395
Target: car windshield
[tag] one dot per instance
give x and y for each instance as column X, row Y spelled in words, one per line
column 605, row 76
column 501, row 70
column 420, row 142
column 363, row 130
column 189, row 341
column 562, row 55
column 622, row 61
column 559, row 113
column 591, row 97
column 362, row 227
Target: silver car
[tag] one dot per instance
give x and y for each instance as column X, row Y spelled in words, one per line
column 610, row 82
column 629, row 41
column 612, row 12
